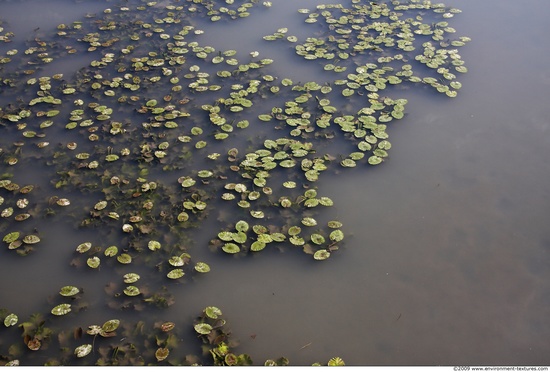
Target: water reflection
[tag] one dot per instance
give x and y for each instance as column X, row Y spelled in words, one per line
column 447, row 256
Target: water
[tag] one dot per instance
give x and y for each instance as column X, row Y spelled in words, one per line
column 447, row 245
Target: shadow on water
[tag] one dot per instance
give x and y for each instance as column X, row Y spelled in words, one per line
column 447, row 246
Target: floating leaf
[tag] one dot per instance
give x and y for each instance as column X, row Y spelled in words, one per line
column 83, row 350
column 10, row 320
column 131, row 291
column 161, row 353
column 175, row 274
column 167, row 326
column 336, row 361
column 11, row 237
column 321, row 254
column 110, row 325
column 336, row 235
column 374, row 160
column 203, row 328
column 317, row 239
column 84, row 247
column 309, row 221
column 202, row 267
column 61, row 309
column 111, row 251
column 231, row 248
column 212, row 312
column 242, row 226
column 131, row 278
column 154, row 245
column 69, row 291
column 34, row 344
column 93, row 262
column 257, row 246
column 124, row 258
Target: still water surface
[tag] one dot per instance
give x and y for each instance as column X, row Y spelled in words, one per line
column 447, row 247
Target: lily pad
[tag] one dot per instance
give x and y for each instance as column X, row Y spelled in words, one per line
column 111, row 251
column 212, row 312
column 83, row 350
column 84, row 247
column 202, row 267
column 231, row 248
column 336, row 235
column 321, row 254
column 10, row 320
column 11, row 237
column 131, row 278
column 110, row 325
column 203, row 328
column 69, row 291
column 131, row 291
column 153, row 245
column 124, row 258
column 31, row 239
column 175, row 274
column 61, row 309
column 161, row 354
column 93, row 262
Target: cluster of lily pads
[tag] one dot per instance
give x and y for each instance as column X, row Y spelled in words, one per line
column 160, row 133
column 162, row 341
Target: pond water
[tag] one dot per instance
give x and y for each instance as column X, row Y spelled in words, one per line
column 446, row 251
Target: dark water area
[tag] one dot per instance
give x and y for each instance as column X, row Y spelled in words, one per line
column 447, row 251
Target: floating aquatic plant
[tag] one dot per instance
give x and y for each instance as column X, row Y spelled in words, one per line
column 151, row 145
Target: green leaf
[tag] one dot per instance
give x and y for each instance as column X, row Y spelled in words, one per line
column 336, row 361
column 203, row 328
column 69, row 291
column 61, row 309
column 110, row 325
column 212, row 312
column 83, row 350
column 10, row 320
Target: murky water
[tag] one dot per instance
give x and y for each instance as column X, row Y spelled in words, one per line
column 447, row 243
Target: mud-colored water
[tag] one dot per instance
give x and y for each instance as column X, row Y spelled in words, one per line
column 447, row 243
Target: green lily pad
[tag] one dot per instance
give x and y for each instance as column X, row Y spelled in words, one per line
column 84, row 247
column 61, row 309
column 175, row 274
column 231, row 248
column 212, row 312
column 110, row 325
column 242, row 226
column 31, row 239
column 317, row 239
column 203, row 328
column 93, row 262
column 153, row 245
column 11, row 237
column 69, row 291
column 83, row 350
column 321, row 254
column 111, row 251
column 131, row 278
column 257, row 246
column 124, row 258
column 374, row 160
column 336, row 235
column 131, row 291
column 11, row 320
column 202, row 267
column 309, row 221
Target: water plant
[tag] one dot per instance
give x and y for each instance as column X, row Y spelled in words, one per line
column 144, row 144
